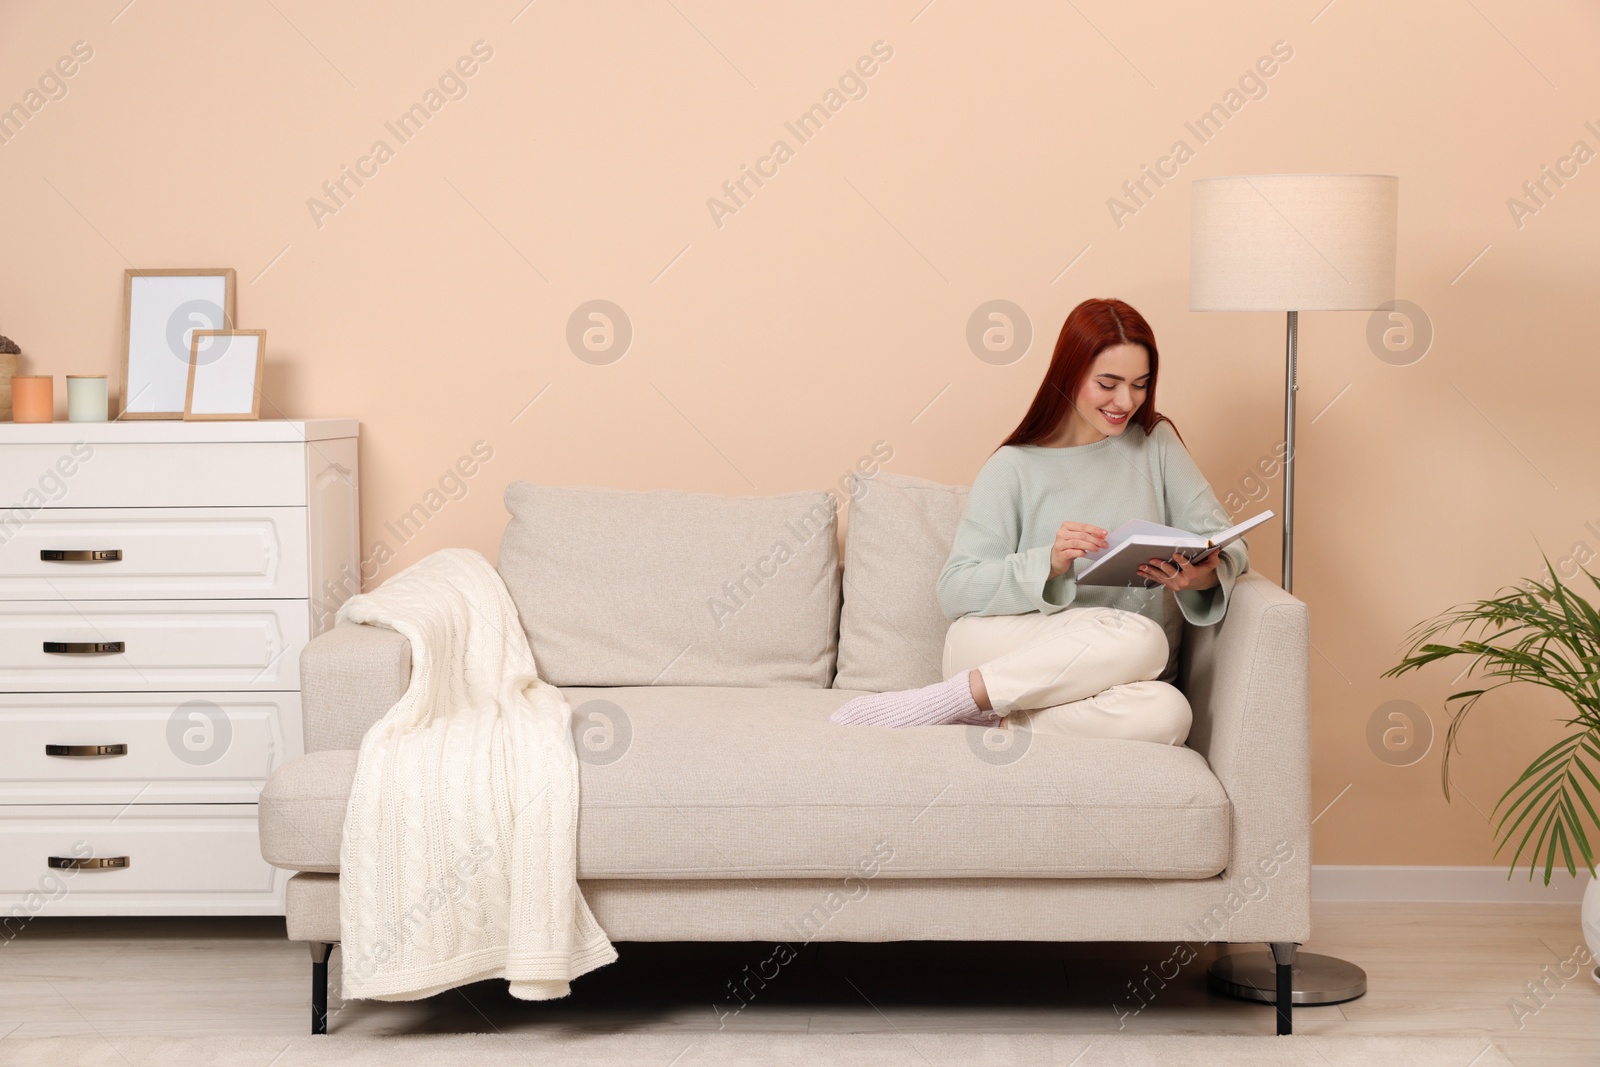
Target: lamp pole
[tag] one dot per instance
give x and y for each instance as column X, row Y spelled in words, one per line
column 1312, row 978
column 1290, row 386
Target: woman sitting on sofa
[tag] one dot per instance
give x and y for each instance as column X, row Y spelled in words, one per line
column 1029, row 647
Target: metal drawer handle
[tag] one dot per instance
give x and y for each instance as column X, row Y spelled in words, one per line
column 96, row 863
column 82, row 648
column 80, row 555
column 79, row 751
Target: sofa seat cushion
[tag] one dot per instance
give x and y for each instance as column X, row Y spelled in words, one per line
column 724, row 782
column 698, row 782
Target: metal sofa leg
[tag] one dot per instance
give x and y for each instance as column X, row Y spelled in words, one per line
column 320, row 951
column 1283, row 956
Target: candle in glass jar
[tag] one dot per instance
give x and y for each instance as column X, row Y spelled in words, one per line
column 86, row 398
column 33, row 398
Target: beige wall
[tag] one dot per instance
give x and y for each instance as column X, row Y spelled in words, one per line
column 771, row 351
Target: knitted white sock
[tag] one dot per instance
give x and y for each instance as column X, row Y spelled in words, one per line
column 942, row 703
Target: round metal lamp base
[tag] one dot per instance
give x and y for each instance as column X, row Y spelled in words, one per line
column 1316, row 979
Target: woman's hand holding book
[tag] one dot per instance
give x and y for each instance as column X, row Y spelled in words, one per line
column 1180, row 573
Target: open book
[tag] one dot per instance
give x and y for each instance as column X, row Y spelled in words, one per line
column 1137, row 542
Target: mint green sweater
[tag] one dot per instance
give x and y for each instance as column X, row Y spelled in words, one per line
column 1000, row 562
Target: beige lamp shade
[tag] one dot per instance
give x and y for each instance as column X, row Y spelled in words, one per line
column 1293, row 242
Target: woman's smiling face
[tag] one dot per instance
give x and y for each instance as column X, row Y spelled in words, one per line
column 1110, row 395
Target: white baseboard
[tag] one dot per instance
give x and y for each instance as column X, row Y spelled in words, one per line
column 1445, row 884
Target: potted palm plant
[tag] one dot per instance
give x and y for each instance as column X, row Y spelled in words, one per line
column 1546, row 634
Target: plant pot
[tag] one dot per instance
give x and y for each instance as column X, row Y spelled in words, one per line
column 8, row 370
column 1591, row 925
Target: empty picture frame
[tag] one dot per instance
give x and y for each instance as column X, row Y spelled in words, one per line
column 161, row 310
column 225, row 368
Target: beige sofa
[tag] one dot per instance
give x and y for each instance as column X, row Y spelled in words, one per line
column 703, row 641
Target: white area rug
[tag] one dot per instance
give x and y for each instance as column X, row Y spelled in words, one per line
column 782, row 1050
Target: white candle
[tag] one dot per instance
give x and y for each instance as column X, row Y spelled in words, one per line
column 86, row 398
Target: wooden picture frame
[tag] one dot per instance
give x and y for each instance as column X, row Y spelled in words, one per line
column 225, row 371
column 160, row 310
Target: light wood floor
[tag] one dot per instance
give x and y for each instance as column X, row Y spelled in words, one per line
column 1432, row 969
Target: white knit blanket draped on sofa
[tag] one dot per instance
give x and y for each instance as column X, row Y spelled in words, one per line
column 459, row 860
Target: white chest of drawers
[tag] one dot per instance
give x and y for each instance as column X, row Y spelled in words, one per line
column 158, row 581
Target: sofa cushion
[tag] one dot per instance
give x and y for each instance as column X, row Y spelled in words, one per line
column 897, row 540
column 715, row 783
column 620, row 587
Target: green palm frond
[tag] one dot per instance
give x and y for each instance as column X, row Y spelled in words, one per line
column 1546, row 634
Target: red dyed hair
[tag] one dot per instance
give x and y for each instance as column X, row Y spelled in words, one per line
column 1091, row 328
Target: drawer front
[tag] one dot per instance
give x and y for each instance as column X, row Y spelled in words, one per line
column 152, row 645
column 149, row 748
column 200, row 858
column 156, row 554
column 150, row 475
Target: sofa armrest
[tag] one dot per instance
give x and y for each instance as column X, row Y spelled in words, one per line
column 349, row 677
column 1248, row 680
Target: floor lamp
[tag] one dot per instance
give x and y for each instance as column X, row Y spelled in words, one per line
column 1292, row 243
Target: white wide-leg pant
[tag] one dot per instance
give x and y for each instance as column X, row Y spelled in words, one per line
column 1081, row 672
